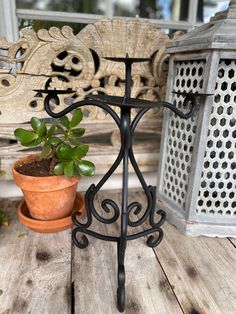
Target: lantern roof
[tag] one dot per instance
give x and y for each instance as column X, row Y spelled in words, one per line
column 219, row 33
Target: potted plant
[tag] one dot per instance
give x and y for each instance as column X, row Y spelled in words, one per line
column 49, row 180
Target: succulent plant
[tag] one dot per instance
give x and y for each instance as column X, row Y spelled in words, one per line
column 61, row 142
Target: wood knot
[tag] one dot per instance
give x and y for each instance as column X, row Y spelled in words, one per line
column 29, row 282
column 191, row 271
column 133, row 306
column 42, row 256
column 194, row 311
column 164, row 284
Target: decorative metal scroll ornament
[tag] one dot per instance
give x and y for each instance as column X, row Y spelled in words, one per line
column 110, row 207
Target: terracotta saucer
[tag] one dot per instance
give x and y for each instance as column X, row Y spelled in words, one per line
column 48, row 226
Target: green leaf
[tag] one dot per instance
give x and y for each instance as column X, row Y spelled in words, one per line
column 81, row 151
column 76, row 118
column 1, row 292
column 65, row 122
column 46, row 150
column 35, row 123
column 65, row 152
column 74, row 141
column 33, row 143
column 69, row 169
column 55, row 141
column 42, row 129
column 5, row 312
column 60, row 129
column 25, row 136
column 59, row 169
column 78, row 132
column 51, row 131
column 85, row 167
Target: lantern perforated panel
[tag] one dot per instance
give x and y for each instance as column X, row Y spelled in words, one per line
column 217, row 193
column 181, row 133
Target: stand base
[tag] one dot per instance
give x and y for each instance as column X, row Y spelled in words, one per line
column 152, row 241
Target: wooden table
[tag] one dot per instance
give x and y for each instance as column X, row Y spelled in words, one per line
column 45, row 274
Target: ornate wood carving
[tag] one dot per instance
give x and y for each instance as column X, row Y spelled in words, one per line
column 59, row 59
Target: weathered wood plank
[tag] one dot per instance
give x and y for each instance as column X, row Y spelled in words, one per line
column 95, row 275
column 35, row 269
column 101, row 127
column 12, row 247
column 197, row 292
column 146, row 160
column 35, row 272
column 94, row 149
column 201, row 271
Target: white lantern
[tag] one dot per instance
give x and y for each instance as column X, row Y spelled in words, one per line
column 197, row 171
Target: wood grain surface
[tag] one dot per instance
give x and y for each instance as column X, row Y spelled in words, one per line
column 46, row 274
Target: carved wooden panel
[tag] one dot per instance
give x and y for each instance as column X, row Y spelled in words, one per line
column 59, row 59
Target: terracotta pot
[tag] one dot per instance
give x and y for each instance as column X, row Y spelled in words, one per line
column 47, row 198
column 48, row 226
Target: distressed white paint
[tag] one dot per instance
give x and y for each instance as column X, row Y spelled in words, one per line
column 207, row 204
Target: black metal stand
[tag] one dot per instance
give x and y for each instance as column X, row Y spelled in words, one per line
column 127, row 128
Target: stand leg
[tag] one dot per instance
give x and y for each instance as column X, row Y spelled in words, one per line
column 121, row 244
column 121, row 277
column 125, row 143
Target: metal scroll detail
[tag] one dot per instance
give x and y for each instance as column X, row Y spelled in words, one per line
column 108, row 205
column 130, row 214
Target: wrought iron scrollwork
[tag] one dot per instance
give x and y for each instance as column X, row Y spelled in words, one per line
column 111, row 212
